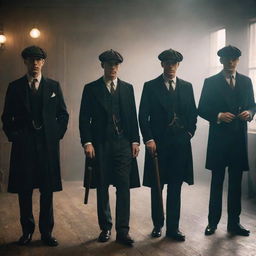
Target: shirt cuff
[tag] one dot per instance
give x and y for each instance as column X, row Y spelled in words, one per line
column 218, row 118
column 87, row 143
column 136, row 143
column 149, row 141
column 251, row 115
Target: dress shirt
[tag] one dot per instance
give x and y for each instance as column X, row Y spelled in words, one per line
column 167, row 82
column 108, row 83
column 31, row 78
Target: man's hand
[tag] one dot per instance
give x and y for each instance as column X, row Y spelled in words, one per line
column 135, row 149
column 89, row 150
column 151, row 147
column 226, row 117
column 245, row 115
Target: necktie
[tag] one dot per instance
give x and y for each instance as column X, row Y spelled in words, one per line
column 231, row 84
column 112, row 88
column 170, row 86
column 33, row 86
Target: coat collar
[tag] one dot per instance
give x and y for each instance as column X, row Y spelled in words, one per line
column 99, row 90
column 24, row 91
column 225, row 90
column 162, row 93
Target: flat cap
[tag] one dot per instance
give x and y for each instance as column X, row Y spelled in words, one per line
column 33, row 51
column 111, row 55
column 170, row 55
column 229, row 51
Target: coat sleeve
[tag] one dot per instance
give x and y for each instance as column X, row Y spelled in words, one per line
column 85, row 117
column 207, row 107
column 251, row 101
column 134, row 120
column 62, row 115
column 144, row 115
column 8, row 115
column 192, row 117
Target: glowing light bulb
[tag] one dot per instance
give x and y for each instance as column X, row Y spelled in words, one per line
column 34, row 33
column 2, row 39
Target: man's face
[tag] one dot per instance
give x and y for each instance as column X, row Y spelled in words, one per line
column 110, row 69
column 34, row 66
column 229, row 64
column 170, row 68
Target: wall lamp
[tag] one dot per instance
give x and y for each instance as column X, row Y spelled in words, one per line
column 2, row 38
column 34, row 33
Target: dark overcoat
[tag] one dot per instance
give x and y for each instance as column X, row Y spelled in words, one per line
column 17, row 125
column 154, row 116
column 93, row 120
column 215, row 98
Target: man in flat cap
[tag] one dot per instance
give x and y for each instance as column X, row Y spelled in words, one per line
column 227, row 103
column 35, row 120
column 110, row 138
column 167, row 117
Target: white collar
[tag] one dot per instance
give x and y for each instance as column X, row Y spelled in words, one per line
column 166, row 80
column 31, row 78
column 108, row 82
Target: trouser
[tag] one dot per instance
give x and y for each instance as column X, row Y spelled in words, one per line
column 234, row 196
column 173, row 202
column 118, row 153
column 46, row 221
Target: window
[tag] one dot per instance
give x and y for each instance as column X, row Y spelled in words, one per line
column 252, row 66
column 217, row 41
column 252, row 54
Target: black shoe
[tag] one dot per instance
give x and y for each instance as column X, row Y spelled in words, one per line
column 49, row 240
column 210, row 230
column 104, row 236
column 156, row 232
column 124, row 239
column 238, row 230
column 176, row 235
column 25, row 239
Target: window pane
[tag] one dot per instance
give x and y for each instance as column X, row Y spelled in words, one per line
column 252, row 46
column 217, row 41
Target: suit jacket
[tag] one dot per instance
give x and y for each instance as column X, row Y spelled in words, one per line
column 154, row 116
column 17, row 125
column 215, row 98
column 93, row 120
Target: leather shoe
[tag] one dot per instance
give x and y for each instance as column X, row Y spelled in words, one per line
column 238, row 230
column 124, row 239
column 104, row 236
column 49, row 240
column 25, row 239
column 176, row 235
column 156, row 232
column 210, row 230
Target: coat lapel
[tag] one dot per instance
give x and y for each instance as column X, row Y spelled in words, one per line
column 123, row 97
column 99, row 92
column 162, row 93
column 224, row 89
column 47, row 91
column 241, row 91
column 24, row 87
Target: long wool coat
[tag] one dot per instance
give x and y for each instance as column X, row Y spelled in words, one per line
column 17, row 125
column 154, row 116
column 93, row 122
column 215, row 98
